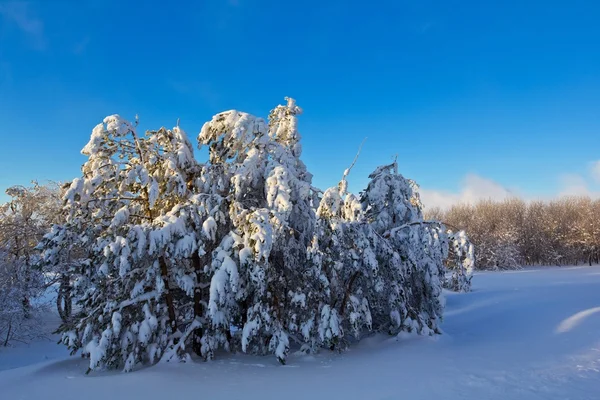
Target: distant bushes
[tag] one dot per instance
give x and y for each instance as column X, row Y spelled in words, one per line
column 512, row 233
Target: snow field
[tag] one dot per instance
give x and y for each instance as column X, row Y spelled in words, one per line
column 529, row 334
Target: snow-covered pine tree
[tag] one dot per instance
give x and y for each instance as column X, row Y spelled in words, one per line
column 239, row 253
column 64, row 255
column 381, row 265
column 415, row 270
column 344, row 255
column 460, row 262
column 130, row 213
column 258, row 267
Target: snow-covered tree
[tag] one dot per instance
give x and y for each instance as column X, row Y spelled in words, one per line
column 133, row 214
column 394, row 209
column 460, row 262
column 257, row 269
column 381, row 265
column 23, row 221
column 20, row 314
column 495, row 229
column 240, row 253
column 344, row 260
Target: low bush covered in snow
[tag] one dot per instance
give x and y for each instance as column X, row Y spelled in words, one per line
column 241, row 252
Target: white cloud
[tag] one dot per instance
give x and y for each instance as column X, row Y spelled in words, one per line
column 577, row 185
column 595, row 170
column 20, row 14
column 573, row 185
column 473, row 189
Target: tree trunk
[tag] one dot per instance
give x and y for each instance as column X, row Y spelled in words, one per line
column 198, row 309
column 347, row 294
column 64, row 300
column 8, row 335
column 168, row 295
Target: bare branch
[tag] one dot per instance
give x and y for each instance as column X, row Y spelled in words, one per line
column 347, row 171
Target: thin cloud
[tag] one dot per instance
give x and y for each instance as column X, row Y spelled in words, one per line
column 474, row 188
column 577, row 185
column 595, row 170
column 20, row 14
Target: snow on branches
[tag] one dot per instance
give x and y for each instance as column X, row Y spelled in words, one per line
column 240, row 253
column 23, row 221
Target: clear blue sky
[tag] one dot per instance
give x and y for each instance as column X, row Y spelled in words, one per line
column 508, row 91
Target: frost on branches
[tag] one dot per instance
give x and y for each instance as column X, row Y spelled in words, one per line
column 23, row 221
column 460, row 262
column 239, row 253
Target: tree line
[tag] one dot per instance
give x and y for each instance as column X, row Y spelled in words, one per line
column 513, row 232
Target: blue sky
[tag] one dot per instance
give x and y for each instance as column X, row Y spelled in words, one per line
column 476, row 98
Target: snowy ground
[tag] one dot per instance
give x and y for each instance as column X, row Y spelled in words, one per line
column 532, row 334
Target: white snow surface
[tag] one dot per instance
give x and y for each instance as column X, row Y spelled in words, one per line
column 529, row 334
